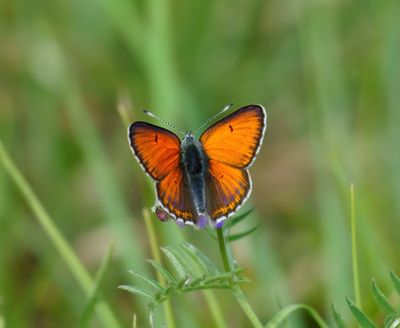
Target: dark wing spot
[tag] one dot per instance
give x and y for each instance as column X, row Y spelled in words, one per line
column 231, row 128
column 176, row 182
column 221, row 176
column 156, row 138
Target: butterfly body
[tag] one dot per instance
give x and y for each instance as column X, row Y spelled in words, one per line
column 194, row 163
column 201, row 180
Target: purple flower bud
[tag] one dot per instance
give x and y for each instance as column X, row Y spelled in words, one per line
column 162, row 215
column 180, row 222
column 202, row 221
column 219, row 224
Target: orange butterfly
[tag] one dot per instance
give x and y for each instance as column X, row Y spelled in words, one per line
column 205, row 180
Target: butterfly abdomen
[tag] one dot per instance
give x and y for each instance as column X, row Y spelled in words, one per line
column 195, row 166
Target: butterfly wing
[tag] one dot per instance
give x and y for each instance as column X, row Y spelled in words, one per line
column 158, row 152
column 227, row 188
column 231, row 146
column 236, row 139
column 156, row 149
column 174, row 194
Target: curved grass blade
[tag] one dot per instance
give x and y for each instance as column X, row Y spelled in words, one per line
column 148, row 280
column 137, row 290
column 237, row 218
column 93, row 297
column 396, row 281
column 182, row 273
column 339, row 320
column 200, row 258
column 170, row 279
column 283, row 314
column 361, row 317
column 243, row 234
column 381, row 299
column 66, row 252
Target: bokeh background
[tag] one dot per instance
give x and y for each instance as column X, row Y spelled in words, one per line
column 328, row 74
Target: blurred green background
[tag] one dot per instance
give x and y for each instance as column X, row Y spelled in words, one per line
column 328, row 74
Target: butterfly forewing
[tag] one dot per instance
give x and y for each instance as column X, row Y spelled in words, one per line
column 236, row 139
column 157, row 149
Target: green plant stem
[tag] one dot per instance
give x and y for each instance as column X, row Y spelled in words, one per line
column 240, row 297
column 155, row 251
column 356, row 277
column 222, row 248
column 58, row 240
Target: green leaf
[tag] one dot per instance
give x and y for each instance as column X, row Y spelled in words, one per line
column 148, row 280
column 392, row 321
column 182, row 273
column 185, row 261
column 243, row 234
column 93, row 297
column 170, row 279
column 283, row 314
column 339, row 320
column 381, row 299
column 137, row 290
column 200, row 258
column 361, row 317
column 237, row 218
column 396, row 281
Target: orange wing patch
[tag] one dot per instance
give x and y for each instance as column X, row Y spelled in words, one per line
column 235, row 140
column 157, row 149
column 174, row 196
column 227, row 188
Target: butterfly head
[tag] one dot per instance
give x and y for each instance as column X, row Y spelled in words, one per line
column 189, row 138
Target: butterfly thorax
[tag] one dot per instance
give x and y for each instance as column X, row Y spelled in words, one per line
column 195, row 165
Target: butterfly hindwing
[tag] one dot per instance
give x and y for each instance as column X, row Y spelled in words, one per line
column 235, row 139
column 175, row 196
column 227, row 188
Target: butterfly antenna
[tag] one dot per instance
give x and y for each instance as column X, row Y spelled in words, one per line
column 223, row 110
column 163, row 121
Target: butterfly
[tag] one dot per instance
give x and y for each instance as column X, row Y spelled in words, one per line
column 201, row 181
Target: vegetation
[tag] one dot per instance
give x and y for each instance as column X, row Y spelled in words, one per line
column 72, row 224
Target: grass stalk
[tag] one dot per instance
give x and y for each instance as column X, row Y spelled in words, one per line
column 65, row 250
column 240, row 297
column 356, row 277
column 155, row 251
column 215, row 309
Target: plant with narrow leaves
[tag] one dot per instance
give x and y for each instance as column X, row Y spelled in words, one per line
column 193, row 271
column 229, row 224
column 392, row 316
